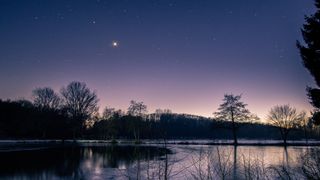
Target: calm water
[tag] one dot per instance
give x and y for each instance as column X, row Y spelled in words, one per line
column 143, row 162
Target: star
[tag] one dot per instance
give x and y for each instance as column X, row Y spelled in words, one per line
column 115, row 44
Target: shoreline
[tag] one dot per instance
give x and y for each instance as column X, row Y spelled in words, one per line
column 12, row 143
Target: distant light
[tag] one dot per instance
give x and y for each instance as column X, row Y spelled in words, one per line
column 115, row 44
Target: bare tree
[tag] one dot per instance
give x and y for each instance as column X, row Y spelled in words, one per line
column 163, row 111
column 308, row 167
column 79, row 102
column 137, row 109
column 310, row 164
column 254, row 168
column 212, row 164
column 108, row 113
column 305, row 126
column 232, row 109
column 137, row 112
column 46, row 98
column 159, row 112
column 285, row 118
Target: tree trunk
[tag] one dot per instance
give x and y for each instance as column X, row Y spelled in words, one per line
column 74, row 133
column 285, row 138
column 306, row 134
column 44, row 134
column 235, row 140
column 283, row 135
column 134, row 134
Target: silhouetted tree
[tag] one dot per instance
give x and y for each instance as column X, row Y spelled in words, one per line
column 80, row 103
column 315, row 118
column 46, row 98
column 158, row 113
column 285, row 118
column 137, row 112
column 108, row 113
column 24, row 103
column 310, row 54
column 118, row 114
column 306, row 126
column 21, row 119
column 137, row 109
column 109, row 125
column 163, row 111
column 232, row 109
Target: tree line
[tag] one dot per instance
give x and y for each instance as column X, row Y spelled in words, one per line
column 73, row 113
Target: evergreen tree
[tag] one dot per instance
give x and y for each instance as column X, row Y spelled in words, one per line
column 310, row 54
column 232, row 109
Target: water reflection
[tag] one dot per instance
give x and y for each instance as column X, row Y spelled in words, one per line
column 147, row 162
column 74, row 162
column 237, row 162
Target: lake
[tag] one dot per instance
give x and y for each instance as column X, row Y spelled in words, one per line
column 148, row 161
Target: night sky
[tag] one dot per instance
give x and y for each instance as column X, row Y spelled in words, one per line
column 178, row 54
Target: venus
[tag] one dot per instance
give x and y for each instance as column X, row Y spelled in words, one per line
column 115, row 44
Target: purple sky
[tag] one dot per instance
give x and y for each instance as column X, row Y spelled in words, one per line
column 178, row 54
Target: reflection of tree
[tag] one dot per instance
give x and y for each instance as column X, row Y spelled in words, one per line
column 148, row 166
column 235, row 164
column 116, row 156
column 285, row 157
column 307, row 168
column 75, row 162
column 224, row 163
column 61, row 161
column 253, row 167
column 212, row 164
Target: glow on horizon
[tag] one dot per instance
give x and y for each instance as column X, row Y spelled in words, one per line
column 207, row 108
column 203, row 105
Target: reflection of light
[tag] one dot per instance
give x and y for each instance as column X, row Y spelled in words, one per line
column 88, row 153
column 87, row 164
column 98, row 170
column 122, row 166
